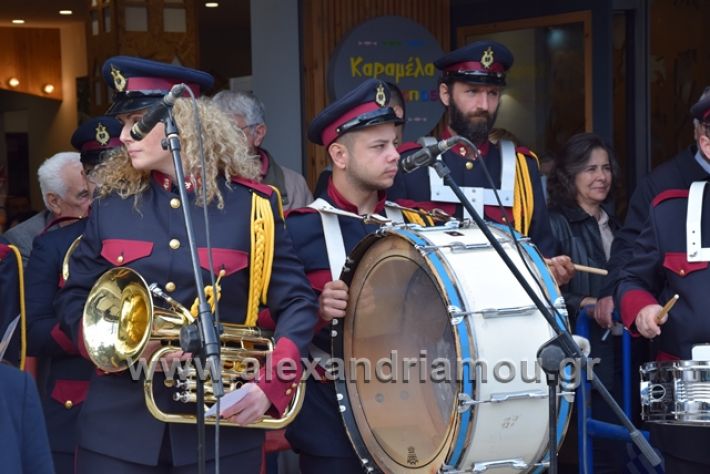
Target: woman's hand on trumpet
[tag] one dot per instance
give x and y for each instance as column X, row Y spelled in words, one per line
column 250, row 408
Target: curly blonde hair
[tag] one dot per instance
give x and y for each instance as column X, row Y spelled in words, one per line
column 225, row 147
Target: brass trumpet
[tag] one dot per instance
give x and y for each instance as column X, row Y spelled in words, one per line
column 119, row 320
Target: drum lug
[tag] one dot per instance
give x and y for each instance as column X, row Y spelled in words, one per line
column 456, row 314
column 517, row 464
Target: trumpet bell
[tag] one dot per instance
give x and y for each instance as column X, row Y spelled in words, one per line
column 118, row 317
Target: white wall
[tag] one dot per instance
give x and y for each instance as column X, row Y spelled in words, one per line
column 276, row 76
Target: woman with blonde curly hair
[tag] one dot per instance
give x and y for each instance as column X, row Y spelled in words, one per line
column 137, row 222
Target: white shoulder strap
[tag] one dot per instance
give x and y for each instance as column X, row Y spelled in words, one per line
column 393, row 212
column 693, row 223
column 334, row 244
column 481, row 196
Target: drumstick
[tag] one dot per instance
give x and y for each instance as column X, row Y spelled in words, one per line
column 667, row 307
column 594, row 270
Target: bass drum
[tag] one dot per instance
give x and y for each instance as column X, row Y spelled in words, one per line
column 439, row 352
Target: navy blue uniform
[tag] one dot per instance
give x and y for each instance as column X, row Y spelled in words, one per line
column 9, row 299
column 149, row 236
column 416, row 186
column 24, row 447
column 63, row 374
column 677, row 173
column 658, row 269
column 318, row 429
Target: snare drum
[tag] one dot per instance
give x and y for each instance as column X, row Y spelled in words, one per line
column 676, row 392
column 450, row 341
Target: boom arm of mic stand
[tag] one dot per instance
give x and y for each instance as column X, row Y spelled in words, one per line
column 210, row 340
column 568, row 344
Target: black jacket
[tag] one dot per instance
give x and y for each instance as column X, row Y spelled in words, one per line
column 578, row 236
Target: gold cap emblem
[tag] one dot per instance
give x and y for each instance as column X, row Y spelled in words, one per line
column 380, row 97
column 118, row 80
column 102, row 135
column 487, row 58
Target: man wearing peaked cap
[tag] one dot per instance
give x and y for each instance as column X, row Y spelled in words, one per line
column 470, row 87
column 137, row 222
column 359, row 132
column 63, row 373
column 138, row 82
column 664, row 262
column 680, row 172
column 94, row 137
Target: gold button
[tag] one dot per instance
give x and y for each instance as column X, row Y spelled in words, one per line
column 174, row 244
column 174, row 203
column 682, row 272
column 68, row 404
column 289, row 391
column 170, row 286
column 120, row 259
column 469, row 165
column 294, row 385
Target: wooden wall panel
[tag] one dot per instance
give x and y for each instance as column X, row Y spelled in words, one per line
column 326, row 22
column 33, row 55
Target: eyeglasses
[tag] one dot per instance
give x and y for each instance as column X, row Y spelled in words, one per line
column 248, row 126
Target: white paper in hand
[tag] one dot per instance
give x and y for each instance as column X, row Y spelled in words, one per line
column 229, row 399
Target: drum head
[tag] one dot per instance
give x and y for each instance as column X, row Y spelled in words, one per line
column 399, row 350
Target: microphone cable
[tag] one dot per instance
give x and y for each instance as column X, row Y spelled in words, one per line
column 197, row 123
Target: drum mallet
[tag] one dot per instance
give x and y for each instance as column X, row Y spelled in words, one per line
column 666, row 308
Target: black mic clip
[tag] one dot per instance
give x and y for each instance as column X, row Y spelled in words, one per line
column 156, row 113
column 430, row 149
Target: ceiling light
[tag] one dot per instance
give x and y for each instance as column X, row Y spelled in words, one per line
column 13, row 82
column 18, row 21
column 211, row 4
column 66, row 12
column 48, row 88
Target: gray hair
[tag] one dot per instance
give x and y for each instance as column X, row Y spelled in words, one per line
column 241, row 103
column 51, row 175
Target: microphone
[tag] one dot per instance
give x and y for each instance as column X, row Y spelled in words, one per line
column 156, row 113
column 426, row 156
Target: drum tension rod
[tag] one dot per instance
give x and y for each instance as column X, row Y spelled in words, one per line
column 466, row 402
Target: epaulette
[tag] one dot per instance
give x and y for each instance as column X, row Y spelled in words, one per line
column 264, row 189
column 523, row 150
column 669, row 194
column 4, row 250
column 408, row 146
column 301, row 210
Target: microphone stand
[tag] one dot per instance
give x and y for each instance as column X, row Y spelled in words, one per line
column 202, row 340
column 568, row 345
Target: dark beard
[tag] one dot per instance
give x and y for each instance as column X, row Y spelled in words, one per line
column 464, row 125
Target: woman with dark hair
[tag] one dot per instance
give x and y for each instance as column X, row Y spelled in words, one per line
column 579, row 189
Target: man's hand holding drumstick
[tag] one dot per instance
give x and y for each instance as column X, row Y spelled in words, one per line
column 652, row 317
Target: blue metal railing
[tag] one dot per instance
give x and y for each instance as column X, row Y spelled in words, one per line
column 587, row 426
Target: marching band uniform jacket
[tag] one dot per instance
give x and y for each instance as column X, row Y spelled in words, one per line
column 148, row 235
column 24, row 447
column 318, row 429
column 678, row 173
column 63, row 374
column 660, row 268
column 416, row 186
column 9, row 299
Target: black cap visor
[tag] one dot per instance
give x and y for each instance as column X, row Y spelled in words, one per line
column 368, row 119
column 477, row 77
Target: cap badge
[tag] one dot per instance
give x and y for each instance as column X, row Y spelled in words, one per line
column 487, row 58
column 102, row 135
column 118, row 80
column 380, row 98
